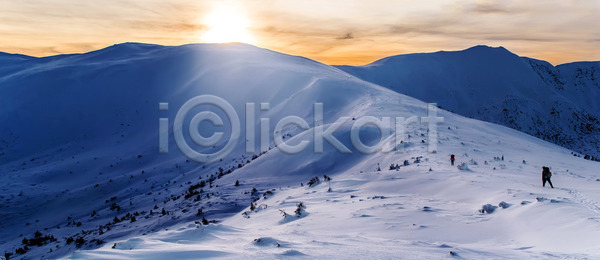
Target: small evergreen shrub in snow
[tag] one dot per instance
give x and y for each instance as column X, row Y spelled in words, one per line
column 114, row 207
column 299, row 209
column 313, row 181
column 79, row 242
column 38, row 239
column 299, row 212
column 267, row 193
column 463, row 166
column 503, row 205
column 22, row 250
column 488, row 208
column 394, row 167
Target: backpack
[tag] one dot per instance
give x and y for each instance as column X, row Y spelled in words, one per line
column 546, row 172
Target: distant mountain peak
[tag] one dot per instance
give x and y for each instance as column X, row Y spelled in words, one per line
column 486, row 47
column 480, row 51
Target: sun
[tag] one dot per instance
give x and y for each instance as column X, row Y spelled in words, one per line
column 226, row 23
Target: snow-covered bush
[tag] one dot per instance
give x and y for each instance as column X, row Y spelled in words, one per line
column 463, row 166
column 266, row 241
column 488, row 208
column 503, row 205
column 298, row 213
column 313, row 181
column 79, row 242
column 300, row 209
column 267, row 193
column 283, row 213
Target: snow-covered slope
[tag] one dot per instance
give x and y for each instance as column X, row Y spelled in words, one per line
column 80, row 133
column 80, row 160
column 410, row 213
column 558, row 104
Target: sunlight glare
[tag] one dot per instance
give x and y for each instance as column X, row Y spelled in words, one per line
column 227, row 23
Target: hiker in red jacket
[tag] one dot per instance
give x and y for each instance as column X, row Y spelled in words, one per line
column 546, row 174
column 452, row 159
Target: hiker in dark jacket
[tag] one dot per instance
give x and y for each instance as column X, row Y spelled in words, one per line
column 452, row 159
column 546, row 174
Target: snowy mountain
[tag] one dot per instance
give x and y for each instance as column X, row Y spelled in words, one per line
column 558, row 104
column 82, row 176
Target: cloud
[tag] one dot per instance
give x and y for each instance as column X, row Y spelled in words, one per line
column 169, row 26
column 490, row 7
column 346, row 36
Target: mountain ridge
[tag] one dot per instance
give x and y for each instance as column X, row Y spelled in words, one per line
column 555, row 103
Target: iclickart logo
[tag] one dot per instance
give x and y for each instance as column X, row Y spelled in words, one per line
column 385, row 125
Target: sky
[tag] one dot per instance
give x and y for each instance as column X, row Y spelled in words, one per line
column 332, row 31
